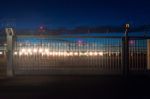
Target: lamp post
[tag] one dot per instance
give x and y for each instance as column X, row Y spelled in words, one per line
column 126, row 51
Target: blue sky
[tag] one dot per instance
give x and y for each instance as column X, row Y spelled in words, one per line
column 74, row 13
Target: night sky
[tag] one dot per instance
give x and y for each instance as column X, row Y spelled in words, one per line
column 74, row 13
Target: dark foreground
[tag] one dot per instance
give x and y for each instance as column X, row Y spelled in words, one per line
column 75, row 87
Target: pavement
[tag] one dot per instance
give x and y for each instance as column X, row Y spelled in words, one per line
column 75, row 87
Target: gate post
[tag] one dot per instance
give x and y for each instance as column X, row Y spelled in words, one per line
column 125, row 50
column 148, row 54
column 9, row 38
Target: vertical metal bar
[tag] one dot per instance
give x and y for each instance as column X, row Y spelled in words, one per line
column 126, row 53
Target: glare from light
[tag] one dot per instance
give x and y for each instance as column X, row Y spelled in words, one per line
column 40, row 50
column 46, row 50
column 56, row 53
column 65, row 53
column 101, row 53
column 90, row 53
column 50, row 53
column 75, row 53
column 1, row 53
column 81, row 54
column 71, row 53
column 23, row 50
column 29, row 50
column 15, row 53
column 95, row 53
column 85, row 54
column 61, row 53
column 35, row 50
column 20, row 53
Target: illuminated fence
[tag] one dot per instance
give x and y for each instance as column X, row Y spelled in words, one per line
column 75, row 55
column 66, row 54
column 138, row 54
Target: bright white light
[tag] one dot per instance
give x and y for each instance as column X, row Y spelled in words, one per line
column 29, row 50
column 61, row 53
column 50, row 53
column 40, row 50
column 85, row 54
column 81, row 53
column 54, row 53
column 95, row 53
column 75, row 53
column 101, row 53
column 23, row 50
column 71, row 53
column 1, row 53
column 15, row 53
column 65, row 53
column 35, row 50
column 91, row 54
column 68, row 54
column 20, row 53
column 46, row 50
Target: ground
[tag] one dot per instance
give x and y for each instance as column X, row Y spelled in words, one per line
column 75, row 87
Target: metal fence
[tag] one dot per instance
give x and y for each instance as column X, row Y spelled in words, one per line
column 67, row 55
column 75, row 55
column 137, row 54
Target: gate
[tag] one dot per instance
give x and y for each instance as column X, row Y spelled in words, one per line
column 67, row 55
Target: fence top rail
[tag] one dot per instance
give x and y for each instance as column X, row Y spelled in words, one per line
column 74, row 36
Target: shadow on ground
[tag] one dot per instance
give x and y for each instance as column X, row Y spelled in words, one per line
column 75, row 87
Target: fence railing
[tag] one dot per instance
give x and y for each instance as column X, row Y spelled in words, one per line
column 76, row 54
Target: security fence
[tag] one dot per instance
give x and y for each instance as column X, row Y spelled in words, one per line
column 64, row 54
column 67, row 54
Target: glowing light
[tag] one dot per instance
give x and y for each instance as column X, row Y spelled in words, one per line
column 1, row 53
column 85, row 54
column 15, row 53
column 35, row 50
column 46, row 50
column 91, row 54
column 81, row 53
column 40, row 50
column 75, row 53
column 20, row 53
column 23, row 50
column 29, row 50
column 101, row 53
column 65, row 53
column 50, row 53
column 61, row 53
column 55, row 53
column 71, row 53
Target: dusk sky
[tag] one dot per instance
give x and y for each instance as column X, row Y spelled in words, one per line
column 74, row 13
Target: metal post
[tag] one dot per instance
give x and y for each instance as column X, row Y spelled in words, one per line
column 10, row 34
column 148, row 54
column 126, row 52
